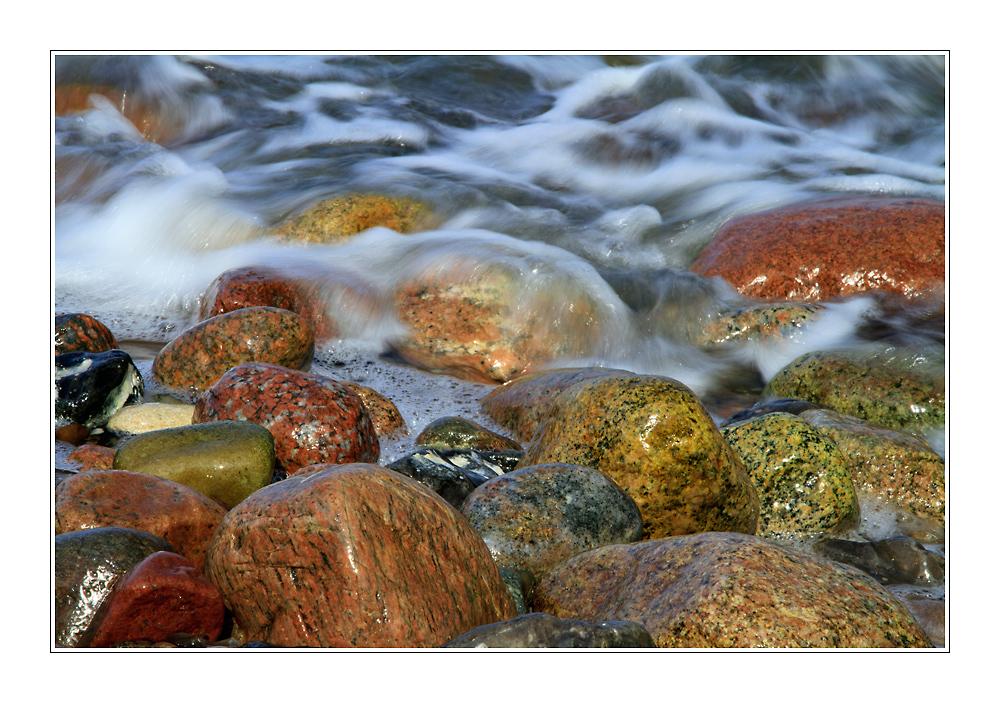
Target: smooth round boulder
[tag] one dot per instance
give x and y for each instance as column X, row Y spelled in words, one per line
column 81, row 332
column 226, row 461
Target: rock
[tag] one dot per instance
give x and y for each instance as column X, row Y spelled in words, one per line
column 765, row 407
column 459, row 433
column 520, row 405
column 151, row 120
column 927, row 607
column 182, row 516
column 262, row 286
column 161, row 595
column 652, row 437
column 87, row 564
column 891, row 467
column 894, row 560
column 519, row 585
column 538, row 630
column 314, row 419
column 384, row 414
column 774, row 321
column 93, row 457
column 337, row 218
column 535, row 517
column 824, row 250
column 81, row 332
column 728, row 590
column 354, row 556
column 90, row 388
column 149, row 417
column 200, row 355
column 801, row 476
column 862, row 388
column 73, row 433
column 226, row 461
column 452, row 474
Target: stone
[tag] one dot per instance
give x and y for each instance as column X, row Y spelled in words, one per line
column 460, row 433
column 93, row 457
column 199, row 356
column 384, row 414
column 928, row 608
column 152, row 121
column 161, row 595
column 263, row 286
column 728, row 590
column 765, row 407
column 820, row 251
column 339, row 217
column 90, row 388
column 87, row 564
column 354, row 556
column 313, row 419
column 149, row 417
column 895, row 560
column 653, row 438
column 535, row 517
column 538, row 630
column 891, row 467
column 801, row 477
column 862, row 388
column 226, row 460
column 764, row 322
column 182, row 516
column 452, row 474
column 81, row 332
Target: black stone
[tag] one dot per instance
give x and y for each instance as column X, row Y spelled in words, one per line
column 451, row 473
column 90, row 388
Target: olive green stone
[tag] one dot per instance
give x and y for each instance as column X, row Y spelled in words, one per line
column 459, row 433
column 226, row 460
column 863, row 388
column 803, row 479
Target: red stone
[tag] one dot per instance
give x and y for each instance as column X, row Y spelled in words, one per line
column 94, row 457
column 314, row 419
column 81, row 332
column 826, row 250
column 162, row 595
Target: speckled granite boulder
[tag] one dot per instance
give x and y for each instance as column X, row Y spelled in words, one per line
column 538, row 630
column 802, row 478
column 862, row 388
column 728, row 590
column 87, row 564
column 653, row 437
column 519, row 405
column 335, row 218
column 149, row 417
column 385, row 416
column 161, row 595
column 91, row 388
column 894, row 468
column 226, row 461
column 262, row 286
column 200, row 355
column 81, row 332
column 180, row 515
column 459, row 433
column 314, row 419
column 824, row 250
column 354, row 556
column 773, row 321
column 535, row 517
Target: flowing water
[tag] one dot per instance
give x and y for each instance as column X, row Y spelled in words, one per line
column 604, row 173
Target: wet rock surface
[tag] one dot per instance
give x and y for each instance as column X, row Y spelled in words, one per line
column 894, row 560
column 226, row 460
column 535, row 517
column 765, row 407
column 538, row 630
column 199, row 356
column 354, row 556
column 336, row 218
column 451, row 473
column 384, row 414
column 460, row 433
column 93, row 457
column 313, row 419
column 83, row 333
column 728, row 590
column 90, row 388
column 774, row 321
column 149, row 417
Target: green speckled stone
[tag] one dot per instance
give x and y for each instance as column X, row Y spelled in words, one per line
column 226, row 460
column 861, row 388
column 756, row 322
column 803, row 480
column 459, row 433
column 653, row 437
column 894, row 467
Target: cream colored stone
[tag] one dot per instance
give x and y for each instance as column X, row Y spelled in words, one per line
column 148, row 417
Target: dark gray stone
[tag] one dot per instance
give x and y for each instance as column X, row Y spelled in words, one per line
column 889, row 561
column 778, row 405
column 90, row 388
column 452, row 473
column 539, row 630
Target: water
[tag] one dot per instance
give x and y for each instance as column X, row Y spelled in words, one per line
column 604, row 176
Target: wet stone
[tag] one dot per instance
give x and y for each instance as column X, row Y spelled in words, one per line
column 460, row 433
column 802, row 478
column 81, row 332
column 765, row 407
column 313, row 419
column 149, row 417
column 199, row 356
column 93, row 457
column 927, row 607
column 535, row 517
column 336, row 218
column 384, row 414
column 452, row 474
column 225, row 460
column 894, row 560
column 538, row 630
column 90, row 388
column 767, row 322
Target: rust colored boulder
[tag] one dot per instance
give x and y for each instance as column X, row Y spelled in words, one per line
column 336, row 218
column 200, row 355
column 654, row 438
column 825, row 250
column 313, row 419
column 180, row 515
column 728, row 590
column 354, row 556
column 160, row 596
column 81, row 332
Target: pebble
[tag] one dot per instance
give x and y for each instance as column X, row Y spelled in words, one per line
column 90, row 388
column 460, row 433
column 538, row 630
column 93, row 457
column 384, row 414
column 149, row 417
column 81, row 332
